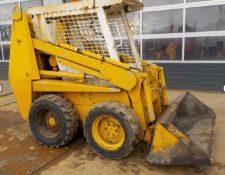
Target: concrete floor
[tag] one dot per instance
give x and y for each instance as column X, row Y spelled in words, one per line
column 4, row 87
column 21, row 154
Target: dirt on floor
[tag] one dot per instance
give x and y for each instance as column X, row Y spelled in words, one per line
column 21, row 154
column 5, row 87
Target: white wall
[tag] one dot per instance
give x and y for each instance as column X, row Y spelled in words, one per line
column 48, row 2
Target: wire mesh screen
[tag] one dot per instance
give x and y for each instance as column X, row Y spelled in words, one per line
column 124, row 47
column 121, row 39
column 81, row 30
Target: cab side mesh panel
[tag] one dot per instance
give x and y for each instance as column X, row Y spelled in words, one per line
column 121, row 40
column 83, row 30
column 80, row 30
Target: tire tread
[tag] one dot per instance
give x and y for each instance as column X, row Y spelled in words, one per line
column 72, row 120
column 129, row 114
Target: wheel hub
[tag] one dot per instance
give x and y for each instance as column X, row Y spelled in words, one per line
column 51, row 122
column 108, row 132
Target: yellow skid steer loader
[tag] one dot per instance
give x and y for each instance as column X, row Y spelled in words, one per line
column 77, row 64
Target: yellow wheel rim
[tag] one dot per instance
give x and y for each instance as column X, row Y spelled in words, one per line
column 108, row 132
column 52, row 121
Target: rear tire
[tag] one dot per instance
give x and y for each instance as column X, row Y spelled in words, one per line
column 53, row 120
column 104, row 140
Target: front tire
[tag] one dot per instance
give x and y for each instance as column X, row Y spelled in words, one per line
column 53, row 120
column 112, row 130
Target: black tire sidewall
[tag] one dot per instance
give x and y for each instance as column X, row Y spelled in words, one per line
column 59, row 115
column 124, row 150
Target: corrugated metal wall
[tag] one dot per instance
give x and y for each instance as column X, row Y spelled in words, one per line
column 209, row 77
column 4, row 71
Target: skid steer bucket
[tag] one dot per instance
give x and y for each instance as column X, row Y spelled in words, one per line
column 183, row 134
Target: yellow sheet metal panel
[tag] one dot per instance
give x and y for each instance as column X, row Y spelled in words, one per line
column 163, row 140
column 18, row 15
column 69, row 47
column 118, row 64
column 47, row 85
column 163, row 83
column 22, row 90
column 23, row 65
column 136, row 96
column 140, row 112
column 157, row 79
column 82, row 111
column 84, row 101
column 61, row 74
column 149, row 101
column 93, row 98
column 118, row 76
column 93, row 55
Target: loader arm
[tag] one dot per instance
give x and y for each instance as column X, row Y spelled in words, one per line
column 112, row 71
